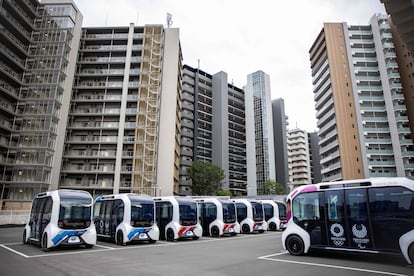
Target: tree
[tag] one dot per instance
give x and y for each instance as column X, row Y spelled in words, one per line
column 222, row 192
column 271, row 187
column 206, row 178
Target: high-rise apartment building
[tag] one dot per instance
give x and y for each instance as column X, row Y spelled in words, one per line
column 298, row 158
column 280, row 123
column 38, row 49
column 124, row 122
column 315, row 159
column 362, row 117
column 259, row 127
column 97, row 109
column 213, row 128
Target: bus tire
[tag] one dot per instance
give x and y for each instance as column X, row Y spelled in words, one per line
column 295, row 245
column 88, row 246
column 215, row 232
column 245, row 229
column 272, row 226
column 24, row 237
column 411, row 252
column 120, row 238
column 43, row 243
column 170, row 234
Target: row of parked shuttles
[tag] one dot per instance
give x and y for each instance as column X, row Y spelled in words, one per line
column 74, row 218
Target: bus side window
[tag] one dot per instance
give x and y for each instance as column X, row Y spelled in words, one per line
column 119, row 211
column 35, row 210
column 96, row 210
column 241, row 212
column 47, row 213
column 335, row 204
column 306, row 207
column 356, row 204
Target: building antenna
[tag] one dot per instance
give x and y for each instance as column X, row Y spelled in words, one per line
column 169, row 20
column 198, row 64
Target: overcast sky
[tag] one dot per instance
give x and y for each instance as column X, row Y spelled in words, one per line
column 240, row 37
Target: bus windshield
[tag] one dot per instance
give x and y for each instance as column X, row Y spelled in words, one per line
column 282, row 210
column 142, row 213
column 75, row 212
column 229, row 212
column 188, row 213
column 257, row 209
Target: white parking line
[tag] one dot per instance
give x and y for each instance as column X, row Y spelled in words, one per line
column 14, row 251
column 268, row 258
column 109, row 248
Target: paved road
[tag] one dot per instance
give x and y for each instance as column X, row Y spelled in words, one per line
column 257, row 254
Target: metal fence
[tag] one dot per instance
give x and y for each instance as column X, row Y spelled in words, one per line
column 14, row 216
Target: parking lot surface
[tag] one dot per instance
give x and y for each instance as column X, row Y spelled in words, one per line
column 254, row 254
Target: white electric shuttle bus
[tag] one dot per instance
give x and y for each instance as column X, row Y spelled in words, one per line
column 61, row 218
column 373, row 215
column 217, row 216
column 250, row 215
column 177, row 218
column 125, row 218
column 271, row 213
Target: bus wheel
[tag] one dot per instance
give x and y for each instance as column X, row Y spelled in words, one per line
column 43, row 243
column 411, row 252
column 294, row 245
column 24, row 237
column 88, row 246
column 170, row 235
column 215, row 232
column 120, row 238
column 272, row 226
column 245, row 229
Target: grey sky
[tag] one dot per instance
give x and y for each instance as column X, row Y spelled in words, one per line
column 240, row 37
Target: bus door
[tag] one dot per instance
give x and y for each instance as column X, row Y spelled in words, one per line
column 164, row 214
column 117, row 215
column 208, row 215
column 335, row 217
column 46, row 213
column 40, row 217
column 105, row 218
column 358, row 224
column 309, row 213
column 392, row 215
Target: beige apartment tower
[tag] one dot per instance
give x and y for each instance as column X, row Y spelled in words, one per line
column 359, row 98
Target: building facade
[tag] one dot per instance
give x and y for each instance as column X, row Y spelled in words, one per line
column 125, row 110
column 362, row 118
column 401, row 12
column 86, row 108
column 298, row 158
column 259, row 122
column 280, row 124
column 315, row 159
column 38, row 51
column 213, row 128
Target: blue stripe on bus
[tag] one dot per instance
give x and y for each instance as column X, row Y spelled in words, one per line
column 67, row 233
column 137, row 230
